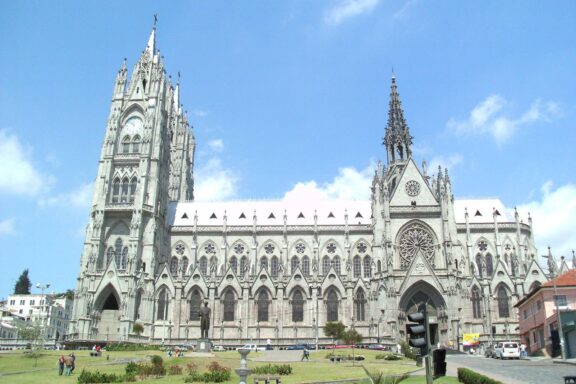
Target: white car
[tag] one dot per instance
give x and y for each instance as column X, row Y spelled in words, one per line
column 218, row 348
column 507, row 350
column 252, row 347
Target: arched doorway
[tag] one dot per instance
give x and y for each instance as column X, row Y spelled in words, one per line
column 107, row 325
column 423, row 294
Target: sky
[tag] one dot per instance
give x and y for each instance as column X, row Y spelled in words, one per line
column 287, row 99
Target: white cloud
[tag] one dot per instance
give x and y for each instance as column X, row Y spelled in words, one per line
column 349, row 184
column 348, row 8
column 216, row 145
column 445, row 162
column 79, row 198
column 199, row 113
column 7, row 227
column 213, row 182
column 403, row 12
column 554, row 219
column 488, row 117
column 18, row 175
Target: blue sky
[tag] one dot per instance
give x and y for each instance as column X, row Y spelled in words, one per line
column 288, row 98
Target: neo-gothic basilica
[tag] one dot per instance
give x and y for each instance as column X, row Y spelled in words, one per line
column 280, row 270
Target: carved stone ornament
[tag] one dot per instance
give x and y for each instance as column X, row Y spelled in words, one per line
column 416, row 238
column 412, row 188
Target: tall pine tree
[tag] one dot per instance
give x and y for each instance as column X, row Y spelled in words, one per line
column 23, row 284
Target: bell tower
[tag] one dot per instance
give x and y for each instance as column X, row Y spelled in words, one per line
column 146, row 161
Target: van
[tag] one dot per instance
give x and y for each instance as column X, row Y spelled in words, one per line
column 507, row 350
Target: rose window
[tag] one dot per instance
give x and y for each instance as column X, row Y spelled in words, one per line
column 180, row 249
column 331, row 248
column 362, row 247
column 300, row 248
column 412, row 188
column 482, row 245
column 269, row 248
column 416, row 239
column 209, row 248
column 238, row 248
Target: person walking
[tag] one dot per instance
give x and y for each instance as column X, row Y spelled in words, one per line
column 305, row 355
column 61, row 365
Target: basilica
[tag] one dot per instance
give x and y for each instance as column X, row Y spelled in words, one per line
column 281, row 270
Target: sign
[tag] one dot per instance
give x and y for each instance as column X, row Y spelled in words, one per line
column 471, row 339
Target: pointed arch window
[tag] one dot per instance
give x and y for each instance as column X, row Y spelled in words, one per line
column 163, row 302
column 503, row 302
column 489, row 265
column 203, row 265
column 243, row 265
column 367, row 267
column 293, row 264
column 133, row 184
column 185, row 264
column 306, row 266
column 124, row 259
column 195, row 304
column 116, row 191
column 234, row 264
column 359, row 305
column 264, row 262
column 174, row 266
column 332, row 306
column 137, row 302
column 229, row 305
column 325, row 265
column 297, row 306
column 118, row 252
column 274, row 266
column 479, row 265
column 476, row 300
column 357, row 267
column 109, row 257
column 213, row 263
column 337, row 265
column 136, row 144
column 126, row 145
column 125, row 190
column 263, row 304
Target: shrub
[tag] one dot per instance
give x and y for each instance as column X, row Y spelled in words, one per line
column 388, row 357
column 283, row 370
column 131, row 368
column 88, row 377
column 468, row 376
column 407, row 350
column 131, row 347
column 156, row 360
column 175, row 370
column 378, row 377
column 191, row 368
column 216, row 374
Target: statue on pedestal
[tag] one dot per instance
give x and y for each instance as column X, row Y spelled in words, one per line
column 204, row 320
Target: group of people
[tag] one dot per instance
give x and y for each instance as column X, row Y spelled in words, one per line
column 66, row 364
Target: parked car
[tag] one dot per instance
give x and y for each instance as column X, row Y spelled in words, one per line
column 301, row 347
column 507, row 350
column 489, row 352
column 378, row 347
column 252, row 347
column 218, row 348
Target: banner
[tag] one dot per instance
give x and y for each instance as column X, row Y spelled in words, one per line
column 470, row 339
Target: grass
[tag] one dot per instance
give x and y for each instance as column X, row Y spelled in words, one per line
column 16, row 368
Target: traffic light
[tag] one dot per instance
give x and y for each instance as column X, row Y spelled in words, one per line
column 418, row 332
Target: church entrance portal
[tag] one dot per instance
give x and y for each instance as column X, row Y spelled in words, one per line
column 108, row 324
column 424, row 294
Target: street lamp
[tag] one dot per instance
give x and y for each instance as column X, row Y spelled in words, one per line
column 458, row 331
column 43, row 310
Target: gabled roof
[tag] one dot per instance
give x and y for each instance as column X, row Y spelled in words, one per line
column 567, row 279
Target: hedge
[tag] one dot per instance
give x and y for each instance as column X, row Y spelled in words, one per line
column 468, row 376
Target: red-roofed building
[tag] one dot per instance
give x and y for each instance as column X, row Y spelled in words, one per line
column 538, row 313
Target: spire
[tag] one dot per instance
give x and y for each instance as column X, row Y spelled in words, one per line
column 151, row 46
column 176, row 102
column 397, row 137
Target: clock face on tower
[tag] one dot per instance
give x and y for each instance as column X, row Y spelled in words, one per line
column 132, row 126
column 412, row 188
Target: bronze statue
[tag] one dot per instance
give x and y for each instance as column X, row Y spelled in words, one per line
column 204, row 320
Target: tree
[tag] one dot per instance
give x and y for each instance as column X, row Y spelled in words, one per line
column 138, row 328
column 334, row 329
column 23, row 284
column 32, row 332
column 351, row 337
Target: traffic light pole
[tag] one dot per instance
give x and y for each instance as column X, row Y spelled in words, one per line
column 429, row 376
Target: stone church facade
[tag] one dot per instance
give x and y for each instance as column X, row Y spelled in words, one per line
column 280, row 270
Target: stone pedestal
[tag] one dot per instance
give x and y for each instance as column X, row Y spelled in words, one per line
column 203, row 345
column 243, row 371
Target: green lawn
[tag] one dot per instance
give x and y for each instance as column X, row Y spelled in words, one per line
column 318, row 369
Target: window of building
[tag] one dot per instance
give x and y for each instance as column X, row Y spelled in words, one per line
column 118, row 252
column 325, row 265
column 367, row 267
column 538, row 305
column 195, row 304
column 234, row 264
column 124, row 259
column 476, row 300
column 332, row 306
column 136, row 144
column 185, row 265
column 264, row 262
column 163, row 302
column 22, row 302
column 263, row 303
column 357, row 267
column 274, row 266
column 174, row 266
column 229, row 305
column 359, row 305
column 116, row 191
column 297, row 306
column 133, row 184
column 293, row 264
column 489, row 265
column 126, row 145
column 124, row 193
column 243, row 265
column 560, row 300
column 203, row 265
column 109, row 256
column 479, row 264
column 12, row 302
column 32, row 302
column 337, row 265
column 306, row 266
column 503, row 303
